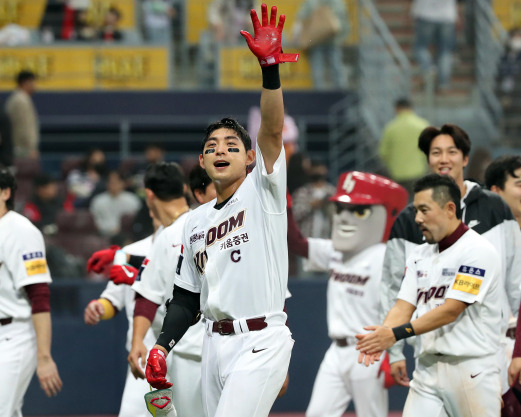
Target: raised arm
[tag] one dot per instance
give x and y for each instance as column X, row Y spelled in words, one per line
column 266, row 46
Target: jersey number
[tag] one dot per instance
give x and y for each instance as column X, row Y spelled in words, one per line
column 200, row 260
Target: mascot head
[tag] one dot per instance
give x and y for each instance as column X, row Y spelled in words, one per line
column 366, row 206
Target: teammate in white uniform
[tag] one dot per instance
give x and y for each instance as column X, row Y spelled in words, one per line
column 367, row 205
column 453, row 284
column 234, row 264
column 113, row 299
column 25, row 320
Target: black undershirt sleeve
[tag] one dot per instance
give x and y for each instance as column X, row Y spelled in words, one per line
column 136, row 261
column 180, row 314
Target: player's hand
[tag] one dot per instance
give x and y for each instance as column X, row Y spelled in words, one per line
column 514, row 371
column 399, row 373
column 138, row 353
column 381, row 338
column 101, row 258
column 48, row 376
column 266, row 43
column 123, row 274
column 93, row 312
column 369, row 358
column 156, row 369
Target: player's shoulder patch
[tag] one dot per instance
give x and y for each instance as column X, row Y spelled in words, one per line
column 35, row 263
column 469, row 279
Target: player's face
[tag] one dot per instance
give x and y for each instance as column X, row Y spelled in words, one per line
column 357, row 227
column 511, row 192
column 5, row 194
column 446, row 159
column 224, row 157
column 430, row 217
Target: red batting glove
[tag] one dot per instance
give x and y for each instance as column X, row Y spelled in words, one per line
column 101, row 258
column 266, row 45
column 156, row 370
column 123, row 274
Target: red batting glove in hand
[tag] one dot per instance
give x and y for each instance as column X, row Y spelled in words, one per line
column 266, row 45
column 101, row 258
column 156, row 370
column 123, row 274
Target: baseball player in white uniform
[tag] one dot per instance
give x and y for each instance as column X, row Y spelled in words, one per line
column 113, row 299
column 453, row 284
column 366, row 207
column 25, row 320
column 234, row 261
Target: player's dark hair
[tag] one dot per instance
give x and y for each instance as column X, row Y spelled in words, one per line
column 7, row 180
column 460, row 137
column 444, row 189
column 24, row 76
column 496, row 172
column 228, row 123
column 199, row 179
column 166, row 180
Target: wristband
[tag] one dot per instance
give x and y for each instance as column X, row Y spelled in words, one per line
column 403, row 332
column 271, row 77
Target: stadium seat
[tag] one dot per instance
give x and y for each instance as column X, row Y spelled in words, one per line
column 77, row 223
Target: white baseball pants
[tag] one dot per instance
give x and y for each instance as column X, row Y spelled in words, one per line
column 17, row 365
column 341, row 379
column 242, row 374
column 457, row 387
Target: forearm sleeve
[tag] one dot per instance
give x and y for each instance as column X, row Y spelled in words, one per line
column 180, row 314
column 39, row 297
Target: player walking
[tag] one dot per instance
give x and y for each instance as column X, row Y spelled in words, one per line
column 367, row 205
column 234, row 260
column 25, row 319
column 452, row 282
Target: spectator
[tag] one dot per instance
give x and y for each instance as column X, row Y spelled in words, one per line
column 45, row 204
column 503, row 177
column 298, row 168
column 154, row 153
column 228, row 17
column 109, row 207
column 290, row 132
column 89, row 179
column 399, row 146
column 510, row 64
column 6, row 141
column 329, row 49
column 311, row 206
column 435, row 24
column 157, row 17
column 109, row 31
column 23, row 116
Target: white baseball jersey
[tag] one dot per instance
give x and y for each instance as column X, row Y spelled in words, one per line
column 156, row 283
column 353, row 298
column 123, row 296
column 237, row 256
column 22, row 262
column 468, row 271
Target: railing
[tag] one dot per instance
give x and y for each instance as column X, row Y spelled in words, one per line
column 384, row 75
column 490, row 38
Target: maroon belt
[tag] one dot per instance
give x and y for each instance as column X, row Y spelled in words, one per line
column 4, row 322
column 225, row 327
column 345, row 341
column 511, row 333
